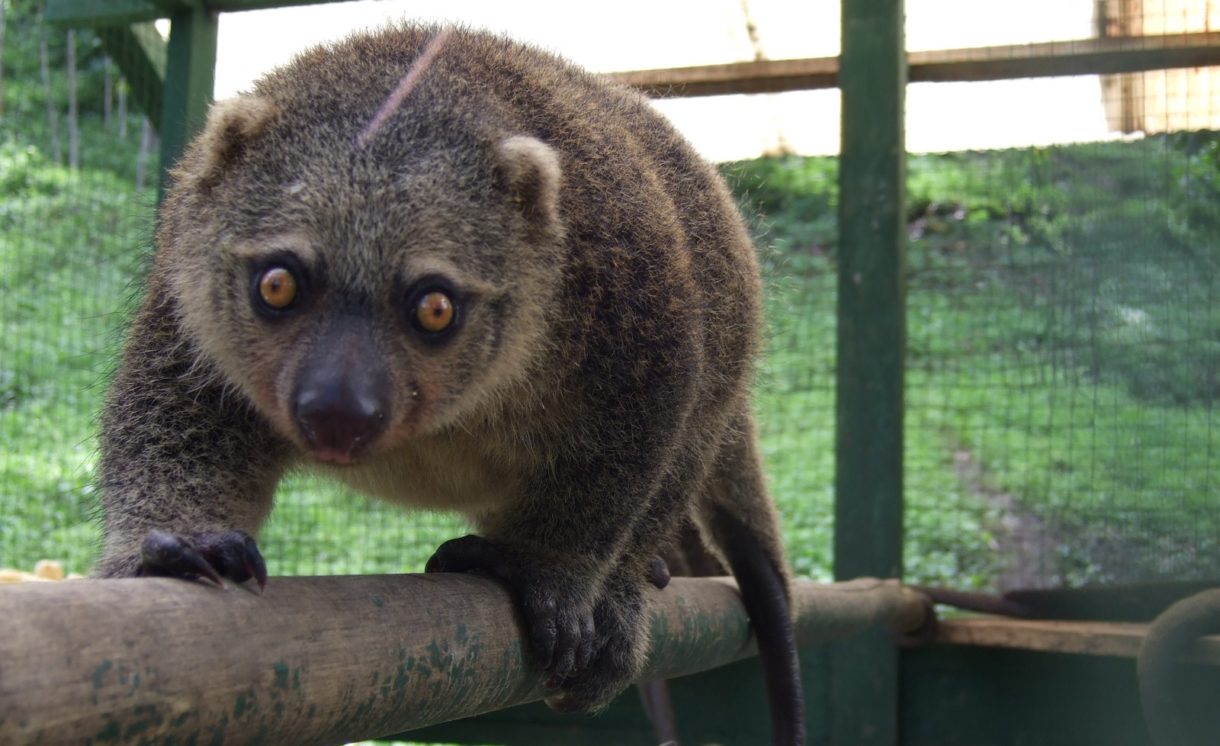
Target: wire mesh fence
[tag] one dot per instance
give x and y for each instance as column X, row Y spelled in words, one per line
column 1063, row 361
column 1063, row 334
column 77, row 190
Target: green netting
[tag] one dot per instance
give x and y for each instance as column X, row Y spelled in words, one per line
column 1064, row 360
column 1064, row 349
column 75, row 216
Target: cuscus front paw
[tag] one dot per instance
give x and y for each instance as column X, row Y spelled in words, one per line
column 210, row 556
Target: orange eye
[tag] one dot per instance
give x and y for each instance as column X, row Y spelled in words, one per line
column 434, row 311
column 277, row 287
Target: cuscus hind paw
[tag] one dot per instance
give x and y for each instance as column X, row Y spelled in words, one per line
column 619, row 656
column 658, row 572
column 557, row 612
column 205, row 556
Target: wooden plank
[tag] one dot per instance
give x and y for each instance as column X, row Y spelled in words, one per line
column 871, row 349
column 765, row 76
column 1116, row 639
column 1078, row 57
column 332, row 659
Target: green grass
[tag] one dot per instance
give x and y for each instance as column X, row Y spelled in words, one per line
column 67, row 259
column 1063, row 354
column 1064, row 344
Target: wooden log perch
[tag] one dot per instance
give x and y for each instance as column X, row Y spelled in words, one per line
column 319, row 660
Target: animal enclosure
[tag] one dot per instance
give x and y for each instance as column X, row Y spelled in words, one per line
column 1054, row 308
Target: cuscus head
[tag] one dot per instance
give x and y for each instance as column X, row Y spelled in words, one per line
column 360, row 289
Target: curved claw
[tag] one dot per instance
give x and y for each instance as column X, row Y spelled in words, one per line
column 255, row 564
column 235, row 555
column 209, row 556
column 166, row 555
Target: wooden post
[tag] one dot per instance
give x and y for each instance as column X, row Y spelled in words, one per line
column 871, row 345
column 333, row 659
column 190, row 73
column 140, row 55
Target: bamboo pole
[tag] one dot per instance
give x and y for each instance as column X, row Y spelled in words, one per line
column 332, row 659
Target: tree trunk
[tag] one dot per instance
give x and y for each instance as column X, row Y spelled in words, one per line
column 52, row 114
column 73, row 118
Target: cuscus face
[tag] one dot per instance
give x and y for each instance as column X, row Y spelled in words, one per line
column 360, row 294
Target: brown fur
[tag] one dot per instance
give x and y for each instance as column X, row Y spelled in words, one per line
column 594, row 400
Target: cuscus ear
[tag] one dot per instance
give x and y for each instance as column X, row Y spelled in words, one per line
column 531, row 172
column 231, row 124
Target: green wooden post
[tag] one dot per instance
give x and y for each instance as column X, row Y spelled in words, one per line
column 871, row 342
column 140, row 53
column 189, row 76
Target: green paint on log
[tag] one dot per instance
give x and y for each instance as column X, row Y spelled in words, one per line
column 138, row 726
column 109, row 732
column 239, row 707
column 379, row 602
column 100, row 672
column 281, row 675
column 218, row 732
column 404, row 670
column 438, row 655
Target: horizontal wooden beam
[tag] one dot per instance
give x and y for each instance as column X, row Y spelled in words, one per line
column 1078, row 57
column 111, row 12
column 764, row 76
column 334, row 659
column 102, row 12
column 1086, row 638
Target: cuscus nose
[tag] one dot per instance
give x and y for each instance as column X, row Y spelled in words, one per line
column 342, row 397
column 339, row 420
